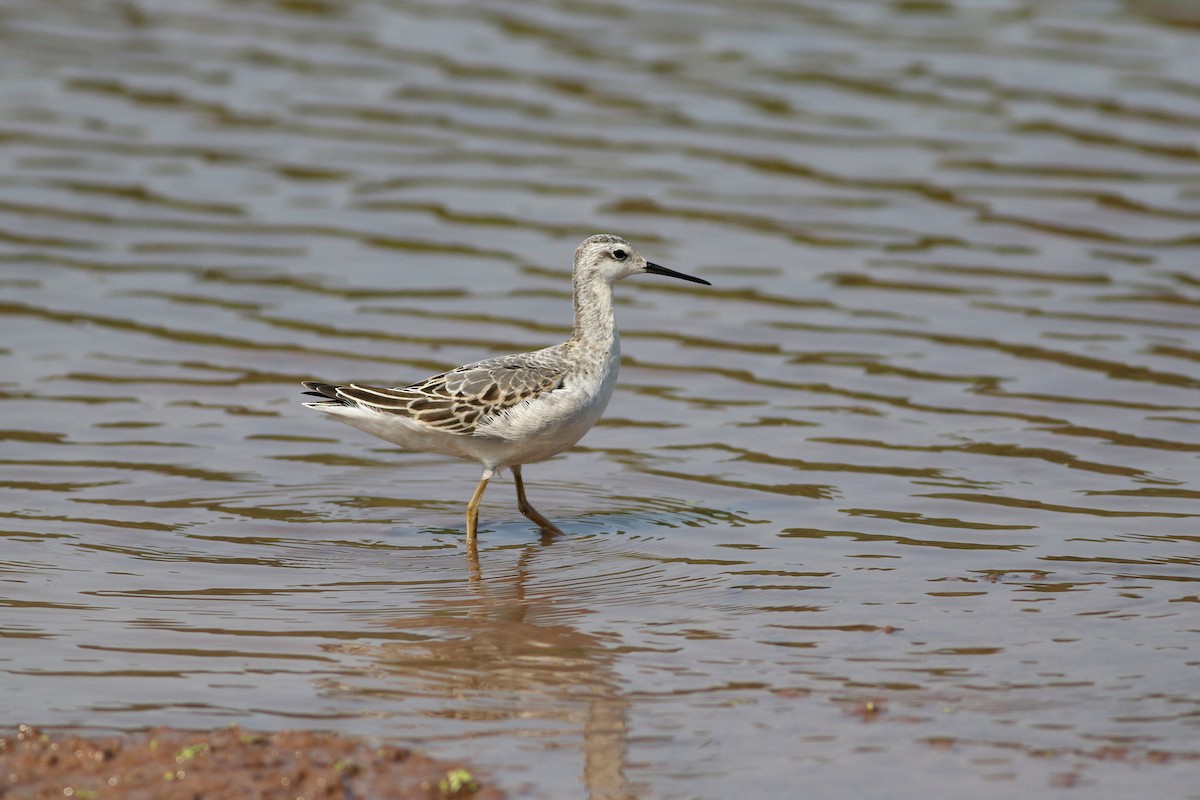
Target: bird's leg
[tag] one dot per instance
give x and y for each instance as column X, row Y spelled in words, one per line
column 528, row 510
column 473, row 507
column 474, row 573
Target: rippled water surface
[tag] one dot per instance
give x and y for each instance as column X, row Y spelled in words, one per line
column 905, row 505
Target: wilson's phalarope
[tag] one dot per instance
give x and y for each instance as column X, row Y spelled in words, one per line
column 511, row 410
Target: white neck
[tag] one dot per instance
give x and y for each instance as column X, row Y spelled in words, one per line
column 595, row 323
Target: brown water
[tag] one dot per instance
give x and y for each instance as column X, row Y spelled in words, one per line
column 905, row 505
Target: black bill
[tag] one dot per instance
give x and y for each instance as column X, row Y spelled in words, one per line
column 655, row 269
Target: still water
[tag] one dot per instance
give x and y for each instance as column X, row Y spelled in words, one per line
column 905, row 505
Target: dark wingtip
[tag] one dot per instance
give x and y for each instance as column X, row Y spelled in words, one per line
column 327, row 391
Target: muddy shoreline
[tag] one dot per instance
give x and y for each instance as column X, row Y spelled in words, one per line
column 224, row 763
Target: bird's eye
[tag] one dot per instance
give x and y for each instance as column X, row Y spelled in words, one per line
column 620, row 255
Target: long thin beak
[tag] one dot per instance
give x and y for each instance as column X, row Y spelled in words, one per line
column 655, row 269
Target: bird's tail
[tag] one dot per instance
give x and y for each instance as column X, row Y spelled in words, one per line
column 325, row 391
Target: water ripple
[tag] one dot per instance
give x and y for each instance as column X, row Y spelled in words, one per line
column 946, row 376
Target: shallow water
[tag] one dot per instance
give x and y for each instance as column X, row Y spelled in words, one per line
column 904, row 505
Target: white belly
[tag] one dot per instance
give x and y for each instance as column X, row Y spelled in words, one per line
column 547, row 425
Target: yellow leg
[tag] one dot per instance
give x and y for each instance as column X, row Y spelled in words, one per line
column 528, row 510
column 473, row 507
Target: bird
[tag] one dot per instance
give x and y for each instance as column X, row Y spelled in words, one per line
column 512, row 410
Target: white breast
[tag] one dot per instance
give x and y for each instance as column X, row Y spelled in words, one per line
column 550, row 423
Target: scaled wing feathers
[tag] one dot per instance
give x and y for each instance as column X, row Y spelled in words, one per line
column 459, row 400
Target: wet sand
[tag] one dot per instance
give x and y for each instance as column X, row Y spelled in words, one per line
column 225, row 763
